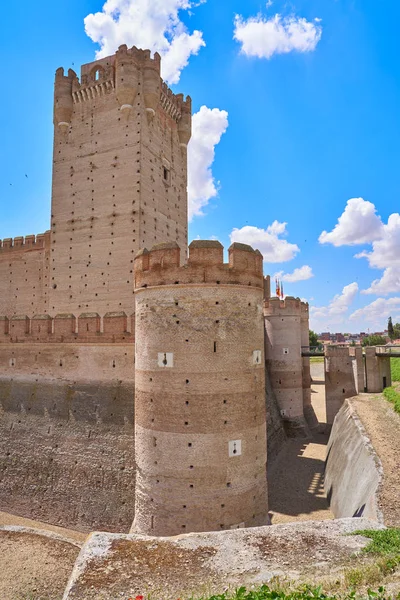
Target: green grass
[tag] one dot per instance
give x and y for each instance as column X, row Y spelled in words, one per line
column 385, row 542
column 393, row 396
column 304, row 592
column 395, row 368
column 316, row 359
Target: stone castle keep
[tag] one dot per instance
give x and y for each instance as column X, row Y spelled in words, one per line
column 140, row 378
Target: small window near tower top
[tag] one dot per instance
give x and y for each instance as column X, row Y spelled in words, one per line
column 97, row 75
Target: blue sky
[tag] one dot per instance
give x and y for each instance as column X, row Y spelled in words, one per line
column 311, row 94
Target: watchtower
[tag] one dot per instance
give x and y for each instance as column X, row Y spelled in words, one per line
column 200, row 421
column 285, row 325
column 119, row 178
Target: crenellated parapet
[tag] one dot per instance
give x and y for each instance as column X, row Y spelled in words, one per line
column 29, row 242
column 66, row 327
column 162, row 265
column 127, row 73
column 289, row 306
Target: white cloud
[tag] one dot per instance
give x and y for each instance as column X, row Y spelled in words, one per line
column 359, row 224
column 388, row 284
column 323, row 317
column 208, row 125
column 378, row 312
column 385, row 251
column 147, row 24
column 263, row 37
column 273, row 248
column 301, row 274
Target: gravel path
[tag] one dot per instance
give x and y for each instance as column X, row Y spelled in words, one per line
column 34, row 566
column 383, row 428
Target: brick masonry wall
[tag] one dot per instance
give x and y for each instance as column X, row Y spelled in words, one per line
column 66, row 434
column 24, row 275
column 67, row 452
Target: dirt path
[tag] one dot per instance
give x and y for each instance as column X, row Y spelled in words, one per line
column 296, row 484
column 382, row 425
column 34, row 566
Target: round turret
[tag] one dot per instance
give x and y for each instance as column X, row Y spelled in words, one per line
column 63, row 103
column 185, row 122
column 200, row 422
column 151, row 83
column 284, row 360
column 126, row 79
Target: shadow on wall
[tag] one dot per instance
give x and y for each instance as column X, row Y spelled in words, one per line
column 296, row 483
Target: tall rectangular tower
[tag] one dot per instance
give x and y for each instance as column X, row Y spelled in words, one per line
column 119, row 178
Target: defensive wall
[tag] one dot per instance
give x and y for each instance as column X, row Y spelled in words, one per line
column 66, row 420
column 353, row 472
column 24, row 274
column 348, row 373
column 200, row 415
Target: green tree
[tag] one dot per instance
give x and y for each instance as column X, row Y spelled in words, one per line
column 391, row 333
column 313, row 339
column 374, row 340
column 396, row 328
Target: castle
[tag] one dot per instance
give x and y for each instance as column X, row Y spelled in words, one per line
column 137, row 377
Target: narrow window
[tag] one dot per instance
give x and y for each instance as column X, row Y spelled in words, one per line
column 215, row 346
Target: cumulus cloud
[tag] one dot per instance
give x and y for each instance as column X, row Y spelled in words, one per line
column 359, row 224
column 264, row 37
column 208, row 125
column 336, row 310
column 273, row 248
column 152, row 24
column 378, row 311
column 389, row 283
column 385, row 251
column 301, row 274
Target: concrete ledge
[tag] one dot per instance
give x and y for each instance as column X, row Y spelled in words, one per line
column 354, row 473
column 110, row 566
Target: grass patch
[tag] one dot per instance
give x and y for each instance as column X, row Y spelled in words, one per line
column 305, row 592
column 395, row 368
column 319, row 359
column 385, row 542
column 393, row 396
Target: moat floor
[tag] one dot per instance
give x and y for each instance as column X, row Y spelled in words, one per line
column 296, row 484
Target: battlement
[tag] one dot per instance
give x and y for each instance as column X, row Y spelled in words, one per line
column 161, row 265
column 290, row 306
column 120, row 72
column 29, row 242
column 66, row 327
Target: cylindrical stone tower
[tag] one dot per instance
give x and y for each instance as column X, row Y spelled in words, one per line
column 200, row 422
column 283, row 360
